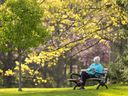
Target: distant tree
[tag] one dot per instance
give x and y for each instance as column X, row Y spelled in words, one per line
column 119, row 53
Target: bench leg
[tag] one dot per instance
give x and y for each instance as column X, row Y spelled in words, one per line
column 98, row 86
column 106, row 86
column 102, row 84
column 74, row 87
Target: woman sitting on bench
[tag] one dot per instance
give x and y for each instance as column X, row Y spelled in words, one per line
column 93, row 71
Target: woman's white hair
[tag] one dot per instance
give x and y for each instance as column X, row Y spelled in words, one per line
column 96, row 59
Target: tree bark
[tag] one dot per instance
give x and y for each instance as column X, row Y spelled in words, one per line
column 20, row 53
column 20, row 75
column 20, row 78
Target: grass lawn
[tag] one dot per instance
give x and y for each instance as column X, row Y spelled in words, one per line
column 114, row 90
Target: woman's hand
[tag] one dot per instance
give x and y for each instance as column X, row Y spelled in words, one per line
column 93, row 69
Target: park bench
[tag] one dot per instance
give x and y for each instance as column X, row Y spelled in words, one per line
column 102, row 79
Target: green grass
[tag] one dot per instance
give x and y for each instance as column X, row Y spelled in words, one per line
column 114, row 90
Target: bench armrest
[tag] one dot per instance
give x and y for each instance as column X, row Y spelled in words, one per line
column 100, row 73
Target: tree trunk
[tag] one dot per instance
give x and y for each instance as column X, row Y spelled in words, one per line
column 58, row 83
column 45, row 70
column 70, row 66
column 65, row 75
column 20, row 70
column 20, row 76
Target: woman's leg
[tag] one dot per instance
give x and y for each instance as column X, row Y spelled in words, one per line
column 84, row 77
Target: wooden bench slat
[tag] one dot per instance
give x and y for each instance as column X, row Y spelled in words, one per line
column 73, row 80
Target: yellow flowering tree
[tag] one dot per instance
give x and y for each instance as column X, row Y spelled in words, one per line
column 74, row 22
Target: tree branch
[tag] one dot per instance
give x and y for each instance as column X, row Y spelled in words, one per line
column 86, row 48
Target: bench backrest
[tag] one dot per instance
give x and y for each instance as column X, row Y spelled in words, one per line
column 105, row 71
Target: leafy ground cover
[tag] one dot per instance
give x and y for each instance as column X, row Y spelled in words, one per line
column 114, row 90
